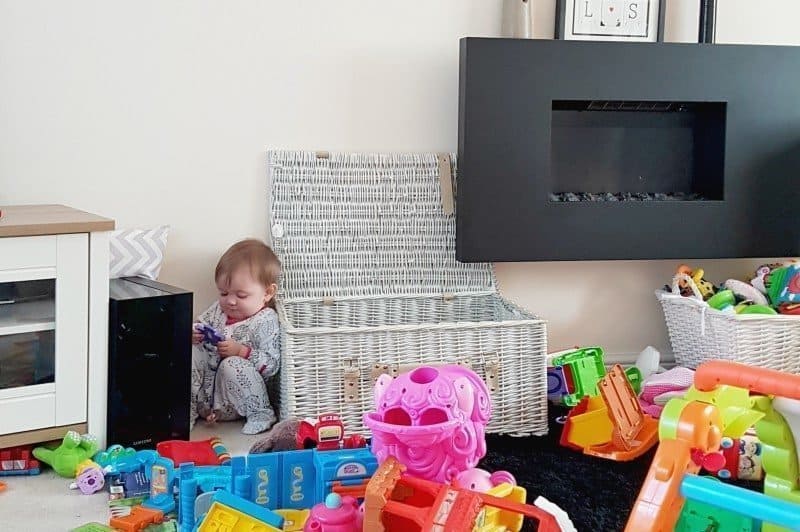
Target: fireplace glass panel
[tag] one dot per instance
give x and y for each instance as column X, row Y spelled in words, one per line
column 637, row 151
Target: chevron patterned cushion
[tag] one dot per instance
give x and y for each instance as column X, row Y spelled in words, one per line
column 138, row 252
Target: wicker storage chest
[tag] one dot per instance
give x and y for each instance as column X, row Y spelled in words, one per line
column 370, row 285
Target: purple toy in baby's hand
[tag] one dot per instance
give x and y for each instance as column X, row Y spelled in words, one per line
column 210, row 335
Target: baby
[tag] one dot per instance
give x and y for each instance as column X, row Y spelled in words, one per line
column 229, row 378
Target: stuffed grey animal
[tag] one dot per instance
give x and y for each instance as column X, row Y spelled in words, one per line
column 281, row 437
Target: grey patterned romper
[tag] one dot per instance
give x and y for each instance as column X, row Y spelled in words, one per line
column 235, row 387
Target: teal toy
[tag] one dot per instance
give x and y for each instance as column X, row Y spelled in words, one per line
column 65, row 458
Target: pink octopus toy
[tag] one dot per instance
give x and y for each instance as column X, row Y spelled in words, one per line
column 433, row 420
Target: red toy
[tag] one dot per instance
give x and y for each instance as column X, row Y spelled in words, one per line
column 396, row 502
column 18, row 461
column 326, row 434
column 203, row 452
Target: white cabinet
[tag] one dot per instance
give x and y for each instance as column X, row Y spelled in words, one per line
column 53, row 323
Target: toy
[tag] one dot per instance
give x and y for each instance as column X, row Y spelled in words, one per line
column 93, row 527
column 162, row 477
column 742, row 457
column 336, row 514
column 65, row 458
column 721, row 405
column 784, row 284
column 89, row 478
column 128, row 484
column 281, row 437
column 436, row 435
column 398, row 502
column 762, row 279
column 203, row 452
column 210, row 335
column 557, row 386
column 746, row 291
column 16, row 461
column 326, row 433
column 289, row 480
column 632, row 431
column 686, row 277
column 293, row 520
column 138, row 519
column 482, row 481
column 117, row 459
column 586, row 368
column 582, row 370
column 231, row 513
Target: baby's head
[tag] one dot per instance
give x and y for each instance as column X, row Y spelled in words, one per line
column 247, row 278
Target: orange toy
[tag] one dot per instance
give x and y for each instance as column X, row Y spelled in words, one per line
column 691, row 431
column 659, row 504
column 400, row 503
column 139, row 519
column 758, row 380
column 611, row 425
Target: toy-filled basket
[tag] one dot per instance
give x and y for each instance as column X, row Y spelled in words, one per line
column 371, row 285
column 699, row 333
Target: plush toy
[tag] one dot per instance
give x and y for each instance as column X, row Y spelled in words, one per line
column 281, row 437
column 65, row 458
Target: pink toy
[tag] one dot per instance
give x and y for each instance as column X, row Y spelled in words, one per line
column 336, row 514
column 657, row 389
column 433, row 420
column 482, row 481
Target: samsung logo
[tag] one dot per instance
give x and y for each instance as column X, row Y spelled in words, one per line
column 140, row 442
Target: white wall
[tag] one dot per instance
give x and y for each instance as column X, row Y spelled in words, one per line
column 160, row 111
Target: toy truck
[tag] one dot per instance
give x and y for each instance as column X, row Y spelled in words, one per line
column 326, row 434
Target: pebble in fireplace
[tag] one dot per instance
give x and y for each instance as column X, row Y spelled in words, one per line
column 570, row 197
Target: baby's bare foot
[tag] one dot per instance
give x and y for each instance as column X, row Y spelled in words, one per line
column 211, row 418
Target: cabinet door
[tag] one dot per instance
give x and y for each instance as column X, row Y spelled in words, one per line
column 43, row 331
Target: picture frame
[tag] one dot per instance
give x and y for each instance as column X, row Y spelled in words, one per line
column 610, row 20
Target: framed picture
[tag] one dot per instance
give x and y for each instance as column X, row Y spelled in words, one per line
column 610, row 20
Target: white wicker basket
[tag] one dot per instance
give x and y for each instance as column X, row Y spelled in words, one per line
column 371, row 286
column 699, row 333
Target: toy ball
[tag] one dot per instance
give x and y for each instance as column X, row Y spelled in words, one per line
column 433, row 420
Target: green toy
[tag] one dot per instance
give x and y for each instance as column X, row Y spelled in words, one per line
column 65, row 458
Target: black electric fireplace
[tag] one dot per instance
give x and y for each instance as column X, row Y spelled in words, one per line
column 574, row 150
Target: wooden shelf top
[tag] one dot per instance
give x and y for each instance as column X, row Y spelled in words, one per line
column 34, row 220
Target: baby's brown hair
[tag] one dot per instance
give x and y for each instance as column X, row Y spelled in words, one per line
column 259, row 257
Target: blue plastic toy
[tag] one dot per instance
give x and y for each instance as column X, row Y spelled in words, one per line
column 741, row 501
column 210, row 335
column 118, row 459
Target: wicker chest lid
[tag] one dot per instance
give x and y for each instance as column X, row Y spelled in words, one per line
column 355, row 225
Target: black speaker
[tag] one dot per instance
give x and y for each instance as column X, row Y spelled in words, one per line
column 149, row 362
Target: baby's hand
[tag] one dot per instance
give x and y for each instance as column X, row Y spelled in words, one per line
column 229, row 348
column 197, row 338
